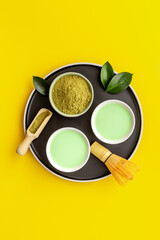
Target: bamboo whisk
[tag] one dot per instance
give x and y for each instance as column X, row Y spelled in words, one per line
column 120, row 168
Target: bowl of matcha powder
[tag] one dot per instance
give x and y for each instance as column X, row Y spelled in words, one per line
column 71, row 94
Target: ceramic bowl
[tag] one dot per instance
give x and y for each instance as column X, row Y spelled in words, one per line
column 50, row 158
column 52, row 102
column 117, row 140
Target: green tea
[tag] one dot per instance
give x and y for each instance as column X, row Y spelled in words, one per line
column 113, row 121
column 68, row 149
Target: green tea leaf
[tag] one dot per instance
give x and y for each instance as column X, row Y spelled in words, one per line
column 106, row 74
column 119, row 82
column 41, row 85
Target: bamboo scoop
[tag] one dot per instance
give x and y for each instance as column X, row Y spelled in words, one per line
column 120, row 168
column 34, row 129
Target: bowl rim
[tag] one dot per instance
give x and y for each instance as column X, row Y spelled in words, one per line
column 51, row 88
column 116, row 141
column 50, row 158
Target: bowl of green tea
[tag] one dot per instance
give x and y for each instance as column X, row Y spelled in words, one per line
column 113, row 121
column 71, row 94
column 68, row 149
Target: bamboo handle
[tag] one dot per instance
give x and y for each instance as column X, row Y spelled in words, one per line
column 23, row 147
column 100, row 152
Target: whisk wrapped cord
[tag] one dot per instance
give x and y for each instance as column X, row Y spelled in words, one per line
column 120, row 168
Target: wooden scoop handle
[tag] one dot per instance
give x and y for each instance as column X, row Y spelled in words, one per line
column 23, row 147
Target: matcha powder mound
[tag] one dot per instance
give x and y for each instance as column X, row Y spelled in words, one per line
column 71, row 94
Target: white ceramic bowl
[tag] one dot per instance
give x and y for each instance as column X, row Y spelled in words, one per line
column 117, row 140
column 52, row 102
column 50, row 158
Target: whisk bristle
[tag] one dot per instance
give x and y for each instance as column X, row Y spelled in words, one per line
column 120, row 168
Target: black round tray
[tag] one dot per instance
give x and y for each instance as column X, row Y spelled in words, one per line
column 94, row 169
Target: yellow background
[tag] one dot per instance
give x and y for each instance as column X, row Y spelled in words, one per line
column 36, row 37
